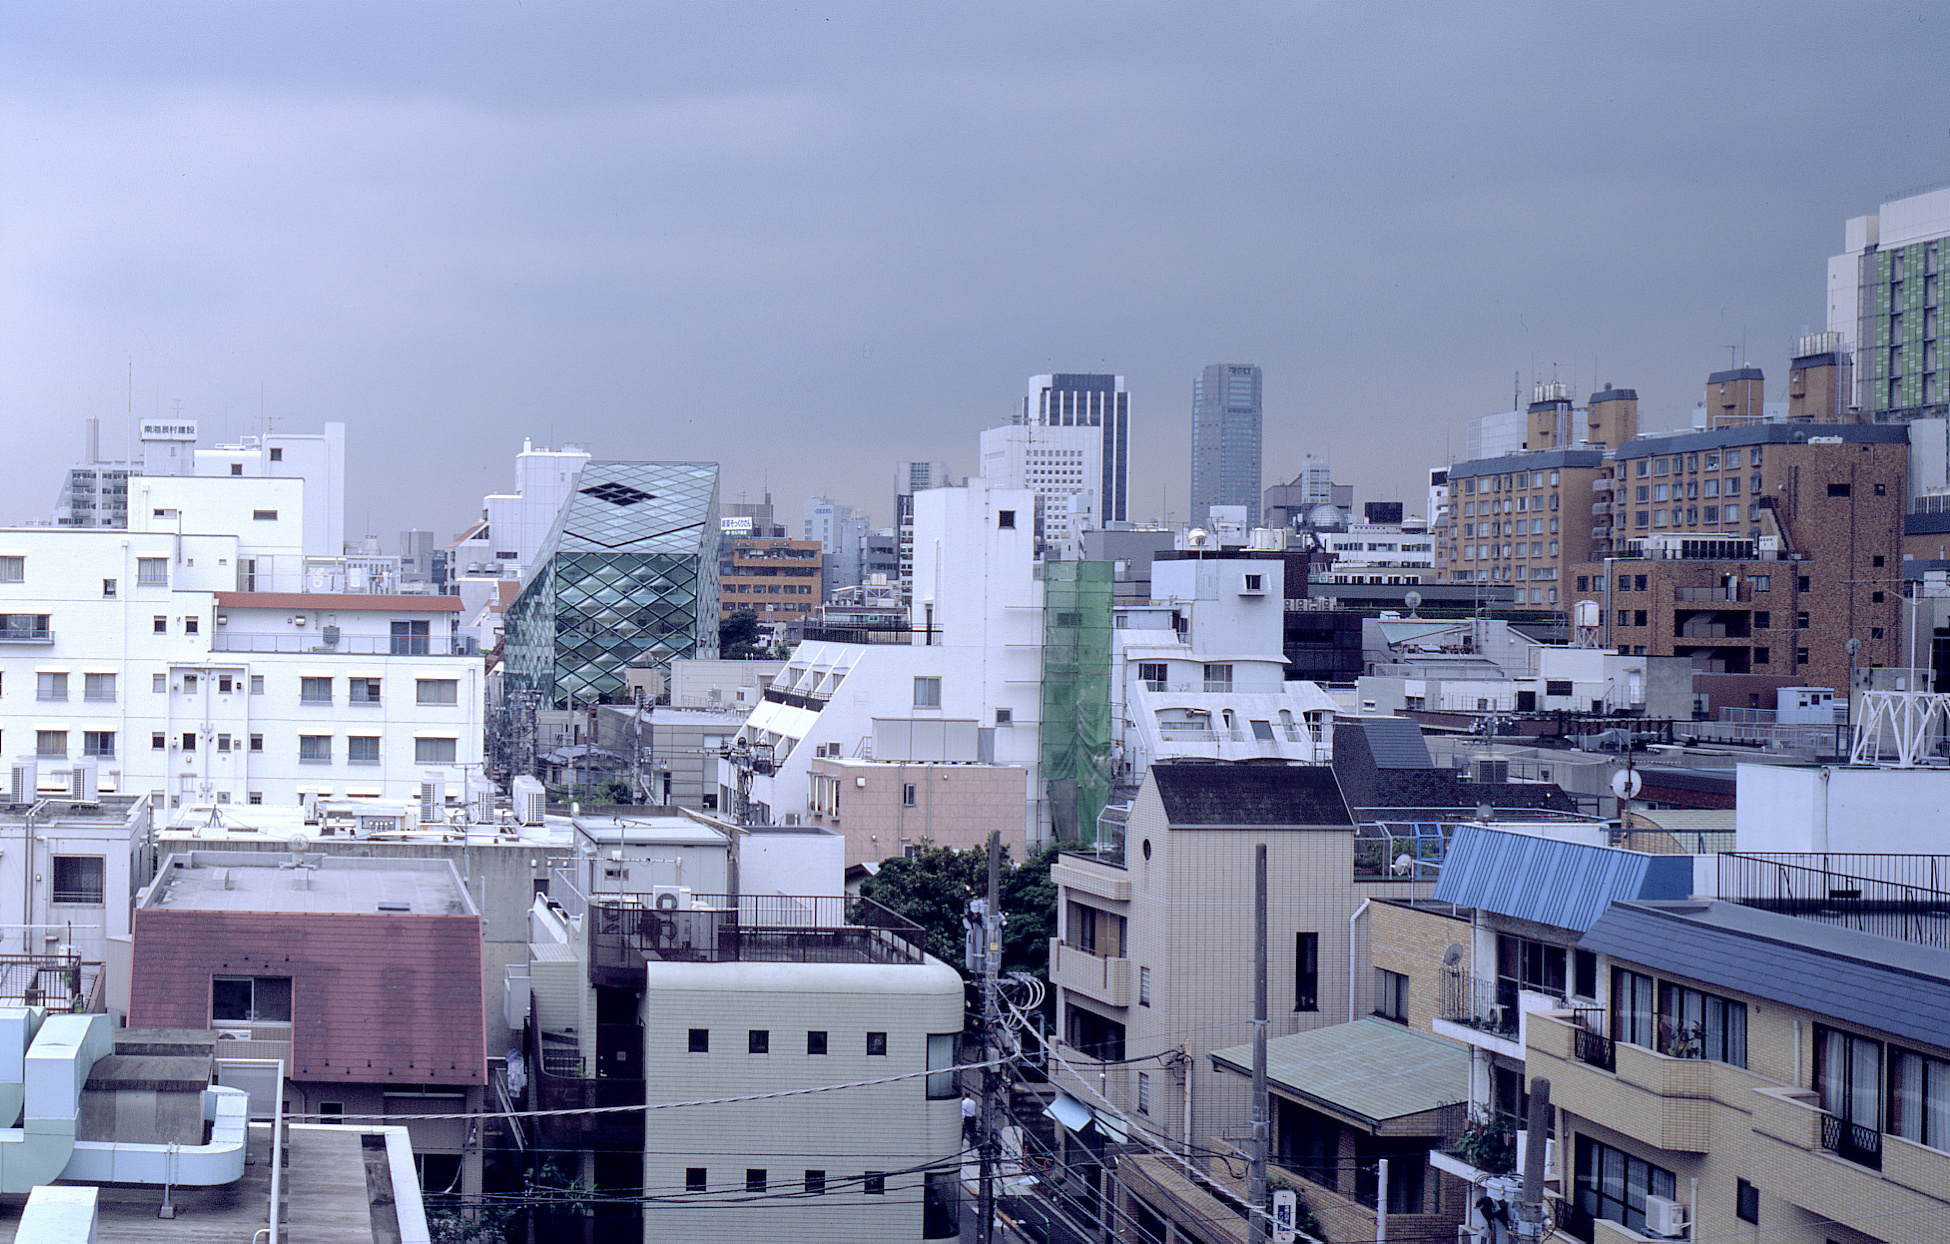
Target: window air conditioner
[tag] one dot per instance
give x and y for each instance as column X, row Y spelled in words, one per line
column 1664, row 1218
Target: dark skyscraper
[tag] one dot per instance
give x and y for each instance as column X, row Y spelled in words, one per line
column 1225, row 439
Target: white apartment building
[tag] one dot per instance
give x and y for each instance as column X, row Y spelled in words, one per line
column 131, row 663
column 1394, row 551
column 513, row 526
column 1069, row 445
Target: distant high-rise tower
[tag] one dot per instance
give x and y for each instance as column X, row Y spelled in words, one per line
column 1225, row 439
column 1070, row 444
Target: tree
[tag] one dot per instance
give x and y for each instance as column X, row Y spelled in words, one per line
column 739, row 638
column 934, row 885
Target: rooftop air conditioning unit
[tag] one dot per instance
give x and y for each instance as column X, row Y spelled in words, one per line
column 26, row 781
column 1486, row 769
column 433, row 797
column 1664, row 1218
column 531, row 800
column 82, row 783
column 671, row 897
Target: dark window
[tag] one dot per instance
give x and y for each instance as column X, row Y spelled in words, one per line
column 1693, row 1024
column 1613, row 1185
column 1306, row 971
column 1848, row 1077
column 874, row 1183
column 1838, row 490
column 1584, row 973
column 1391, row 995
column 1005, row 518
column 815, row 1042
column 758, row 1041
column 1638, row 583
column 1583, row 582
column 815, row 1183
column 1763, row 619
column 264, row 999
column 754, row 1179
column 1801, row 583
column 1762, row 656
column 159, row 625
column 700, row 1040
column 694, row 1179
column 877, row 1044
column 1638, row 617
column 236, row 468
column 78, row 879
column 1876, row 560
column 1746, row 1201
column 277, row 454
column 1633, row 1008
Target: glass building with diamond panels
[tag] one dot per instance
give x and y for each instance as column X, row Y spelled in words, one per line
column 627, row 577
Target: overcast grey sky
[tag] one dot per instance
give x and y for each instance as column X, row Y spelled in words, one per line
column 809, row 241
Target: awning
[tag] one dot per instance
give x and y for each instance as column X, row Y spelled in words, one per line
column 1076, row 1117
column 1372, row 1073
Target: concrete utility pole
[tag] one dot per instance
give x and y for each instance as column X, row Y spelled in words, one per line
column 1530, row 1211
column 1262, row 1129
column 991, row 1042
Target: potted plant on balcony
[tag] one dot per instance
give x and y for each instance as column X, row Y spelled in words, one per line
column 1486, row 1145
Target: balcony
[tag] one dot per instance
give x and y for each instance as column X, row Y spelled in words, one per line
column 1672, row 1106
column 1601, row 509
column 795, row 699
column 627, row 931
column 347, row 645
column 562, row 1081
column 1601, row 532
column 1852, row 1142
column 26, row 635
column 1481, row 1012
column 1105, row 979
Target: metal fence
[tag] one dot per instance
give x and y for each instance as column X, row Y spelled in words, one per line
column 1906, row 897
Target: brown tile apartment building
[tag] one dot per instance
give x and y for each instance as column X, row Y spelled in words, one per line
column 1755, row 550
column 1524, row 520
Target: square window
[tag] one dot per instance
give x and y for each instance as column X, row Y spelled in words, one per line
column 815, row 1041
column 108, row 589
column 927, row 692
column 315, row 748
column 363, row 690
column 189, row 740
column 277, row 453
column 79, row 879
column 877, row 1044
column 13, row 569
column 223, row 742
column 314, row 690
column 758, row 1041
column 362, row 749
column 874, row 1183
column 51, row 686
column 256, row 796
column 1005, row 519
column 189, row 626
column 694, row 1179
column 815, row 1183
column 754, row 1179
column 158, row 741
column 250, row 999
column 700, row 1040
column 257, row 742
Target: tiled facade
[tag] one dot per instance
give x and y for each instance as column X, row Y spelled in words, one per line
column 1524, row 520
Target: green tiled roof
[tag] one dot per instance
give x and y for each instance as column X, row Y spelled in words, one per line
column 1370, row 1069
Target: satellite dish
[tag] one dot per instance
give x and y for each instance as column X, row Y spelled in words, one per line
column 1402, row 864
column 1197, row 538
column 1626, row 783
column 1411, row 599
column 1452, row 956
column 1484, row 812
column 298, row 842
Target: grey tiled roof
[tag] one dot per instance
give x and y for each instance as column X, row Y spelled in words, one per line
column 1204, row 793
column 1370, row 1069
column 1875, row 983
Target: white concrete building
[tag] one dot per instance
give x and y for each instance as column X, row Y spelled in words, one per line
column 67, row 885
column 504, row 544
column 1069, row 445
column 132, row 654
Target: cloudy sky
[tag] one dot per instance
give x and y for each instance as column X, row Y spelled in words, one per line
column 809, row 241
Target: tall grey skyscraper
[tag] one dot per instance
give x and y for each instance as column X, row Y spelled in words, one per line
column 1226, row 439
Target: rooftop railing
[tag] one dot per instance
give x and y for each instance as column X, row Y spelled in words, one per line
column 628, row 931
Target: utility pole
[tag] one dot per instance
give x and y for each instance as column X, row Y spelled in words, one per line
column 991, row 931
column 1530, row 1210
column 1262, row 1130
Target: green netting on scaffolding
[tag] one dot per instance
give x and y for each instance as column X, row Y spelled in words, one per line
column 1076, row 695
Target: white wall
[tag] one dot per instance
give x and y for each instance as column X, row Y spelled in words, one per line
column 1831, row 808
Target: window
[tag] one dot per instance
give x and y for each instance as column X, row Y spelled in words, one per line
column 189, row 682
column 907, row 794
column 314, row 749
column 433, row 751
column 108, row 589
column 98, row 743
column 941, row 1062
column 694, row 1180
column 1391, row 995
column 1005, row 519
column 99, row 687
column 874, row 1183
column 361, row 749
column 1693, row 1024
column 13, row 569
column 1919, row 1098
column 223, row 742
column 1848, row 1078
column 261, row 999
column 78, row 879
column 1144, row 986
column 264, row 516
column 927, row 693
column 437, row 691
column 225, row 684
column 189, row 626
column 1306, row 971
column 1746, row 1201
column 1613, row 1185
column 1763, row 656
column 1218, row 678
column 1144, row 1093
column 410, row 639
column 877, row 1044
column 257, row 742
column 257, row 684
column 51, row 744
column 1152, row 675
column 700, row 1040
column 363, row 690
column 315, row 690
column 758, row 1041
column 50, row 686
column 754, row 1179
column 815, row 1183
column 277, row 453
column 158, row 741
column 236, row 468
column 1632, row 1008
column 815, row 1041
column 159, row 683
column 1838, row 490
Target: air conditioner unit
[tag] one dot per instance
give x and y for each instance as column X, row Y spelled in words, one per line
column 531, row 800
column 82, row 782
column 433, row 798
column 671, row 897
column 26, row 781
column 1664, row 1218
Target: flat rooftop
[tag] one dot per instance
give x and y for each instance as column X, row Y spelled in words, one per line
column 309, row 883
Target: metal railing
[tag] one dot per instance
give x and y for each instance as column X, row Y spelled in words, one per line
column 1595, row 1048
column 26, row 635
column 1851, row 1141
column 1906, row 897
column 627, row 931
column 1488, row 1006
column 349, row 645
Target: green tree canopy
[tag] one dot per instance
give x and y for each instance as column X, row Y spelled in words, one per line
column 739, row 638
column 933, row 887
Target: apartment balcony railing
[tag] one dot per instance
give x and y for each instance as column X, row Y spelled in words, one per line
column 563, row 1081
column 797, row 699
column 1105, row 978
column 349, row 645
column 1852, row 1142
column 1595, row 1049
column 26, row 635
column 1489, row 1006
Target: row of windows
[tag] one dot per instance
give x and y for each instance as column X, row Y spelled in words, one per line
column 312, row 748
column 1519, row 479
column 941, row 1051
column 1707, row 460
column 1691, row 489
column 149, row 572
column 760, row 589
column 1515, row 527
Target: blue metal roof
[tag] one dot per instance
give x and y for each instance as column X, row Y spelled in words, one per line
column 1564, row 884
